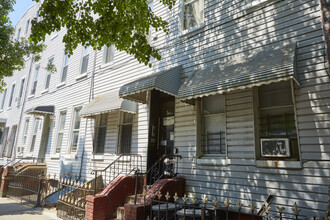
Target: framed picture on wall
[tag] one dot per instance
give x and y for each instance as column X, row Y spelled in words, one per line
column 275, row 147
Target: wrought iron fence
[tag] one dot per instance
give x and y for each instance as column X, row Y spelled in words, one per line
column 172, row 207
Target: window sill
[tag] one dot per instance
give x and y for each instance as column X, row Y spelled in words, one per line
column 60, row 85
column 55, row 156
column 81, row 76
column 213, row 161
column 30, row 96
column 192, row 30
column 254, row 4
column 278, row 164
column 105, row 65
column 44, row 91
column 97, row 157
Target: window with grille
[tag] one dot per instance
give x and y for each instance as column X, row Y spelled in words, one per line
column 100, row 132
column 11, row 95
column 35, row 80
column 34, row 134
column 60, row 131
column 48, row 74
column 125, row 132
column 75, row 130
column 193, row 13
column 65, row 67
column 213, row 124
column 85, row 58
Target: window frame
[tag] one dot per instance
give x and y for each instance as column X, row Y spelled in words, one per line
column 27, row 25
column 119, row 130
column 182, row 17
column 60, row 131
column 18, row 33
column 20, row 92
column 10, row 101
column 48, row 73
column 65, row 65
column 34, row 134
column 275, row 162
column 35, row 81
column 83, row 55
column 4, row 94
column 74, row 130
column 25, row 132
column 106, row 51
column 96, row 139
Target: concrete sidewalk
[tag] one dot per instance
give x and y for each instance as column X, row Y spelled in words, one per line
column 15, row 210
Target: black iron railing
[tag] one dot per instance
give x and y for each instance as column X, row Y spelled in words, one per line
column 125, row 164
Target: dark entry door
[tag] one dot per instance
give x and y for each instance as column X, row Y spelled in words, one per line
column 166, row 135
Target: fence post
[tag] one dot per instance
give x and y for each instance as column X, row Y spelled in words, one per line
column 39, row 190
column 95, row 182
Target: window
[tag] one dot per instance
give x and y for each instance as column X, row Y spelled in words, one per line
column 4, row 141
column 65, row 67
column 100, row 132
column 27, row 26
column 60, row 131
column 34, row 134
column 75, row 130
column 48, row 73
column 108, row 54
column 193, row 13
column 125, row 132
column 85, row 57
column 213, row 125
column 20, row 90
column 11, row 140
column 18, row 34
column 11, row 95
column 25, row 131
column 3, row 98
column 276, row 122
column 151, row 7
column 35, row 80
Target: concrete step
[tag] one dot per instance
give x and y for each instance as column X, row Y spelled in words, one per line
column 130, row 199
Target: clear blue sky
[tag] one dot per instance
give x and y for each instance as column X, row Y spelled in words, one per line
column 19, row 9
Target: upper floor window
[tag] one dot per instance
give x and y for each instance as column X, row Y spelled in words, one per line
column 11, row 95
column 27, row 24
column 277, row 134
column 65, row 67
column 3, row 98
column 20, row 93
column 75, row 130
column 35, row 80
column 18, row 34
column 48, row 73
column 60, row 131
column 100, row 132
column 213, row 118
column 85, row 58
column 108, row 54
column 193, row 13
column 125, row 132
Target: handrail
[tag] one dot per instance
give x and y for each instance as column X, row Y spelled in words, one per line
column 116, row 160
column 20, row 159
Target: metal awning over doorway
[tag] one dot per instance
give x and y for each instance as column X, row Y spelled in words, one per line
column 246, row 70
column 167, row 81
column 106, row 103
column 41, row 110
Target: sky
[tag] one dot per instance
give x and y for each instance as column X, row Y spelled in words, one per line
column 19, row 9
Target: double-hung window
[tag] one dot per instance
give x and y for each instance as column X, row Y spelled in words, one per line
column 75, row 130
column 27, row 24
column 60, row 131
column 18, row 34
column 65, row 67
column 193, row 13
column 3, row 98
column 11, row 95
column 213, row 125
column 277, row 134
column 34, row 134
column 25, row 132
column 108, row 54
column 20, row 93
column 125, row 132
column 48, row 73
column 35, row 80
column 100, row 132
column 85, row 58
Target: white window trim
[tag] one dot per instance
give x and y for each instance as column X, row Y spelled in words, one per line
column 3, row 98
column 33, row 80
column 119, row 124
column 72, row 154
column 97, row 126
column 112, row 49
column 26, row 128
column 31, row 137
column 18, row 36
column 12, row 95
column 20, row 88
column 61, row 75
column 192, row 29
column 26, row 30
column 82, row 75
column 48, row 73
column 58, row 131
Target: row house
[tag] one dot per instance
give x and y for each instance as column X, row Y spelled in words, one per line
column 241, row 93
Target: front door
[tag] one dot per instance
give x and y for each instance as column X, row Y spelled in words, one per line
column 166, row 135
column 44, row 139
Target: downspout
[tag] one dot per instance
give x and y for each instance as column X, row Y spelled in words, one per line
column 91, row 96
column 22, row 108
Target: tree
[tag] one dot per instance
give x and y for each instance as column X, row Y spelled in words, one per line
column 12, row 52
column 122, row 23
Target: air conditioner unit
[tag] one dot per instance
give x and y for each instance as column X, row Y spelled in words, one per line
column 275, row 147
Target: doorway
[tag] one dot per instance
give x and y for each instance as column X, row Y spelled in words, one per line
column 44, row 139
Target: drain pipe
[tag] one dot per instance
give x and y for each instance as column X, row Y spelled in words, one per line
column 91, row 96
column 22, row 108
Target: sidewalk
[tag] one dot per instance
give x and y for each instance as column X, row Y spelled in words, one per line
column 15, row 210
